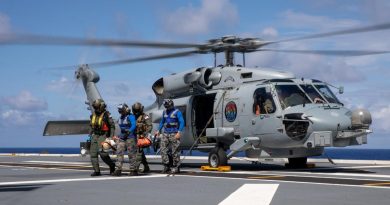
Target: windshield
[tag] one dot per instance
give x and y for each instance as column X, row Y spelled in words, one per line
column 327, row 93
column 313, row 93
column 290, row 95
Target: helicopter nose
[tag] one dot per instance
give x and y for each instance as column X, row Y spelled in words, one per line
column 300, row 124
column 329, row 120
column 361, row 119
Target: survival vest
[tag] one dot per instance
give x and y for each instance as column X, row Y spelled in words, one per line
column 124, row 123
column 98, row 123
column 171, row 122
column 142, row 124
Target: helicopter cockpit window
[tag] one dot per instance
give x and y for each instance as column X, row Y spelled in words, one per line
column 291, row 95
column 327, row 93
column 312, row 93
column 263, row 102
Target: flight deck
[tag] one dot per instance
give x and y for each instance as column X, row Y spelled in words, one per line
column 64, row 179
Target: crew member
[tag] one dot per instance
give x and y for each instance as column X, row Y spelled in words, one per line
column 102, row 128
column 126, row 141
column 143, row 129
column 173, row 123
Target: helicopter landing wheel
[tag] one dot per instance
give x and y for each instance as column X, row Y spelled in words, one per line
column 217, row 157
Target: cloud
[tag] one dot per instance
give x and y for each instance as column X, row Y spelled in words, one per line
column 200, row 20
column 26, row 111
column 118, row 92
column 376, row 10
column 381, row 118
column 269, row 33
column 5, row 26
column 299, row 20
column 328, row 68
column 25, row 101
column 17, row 118
column 61, row 84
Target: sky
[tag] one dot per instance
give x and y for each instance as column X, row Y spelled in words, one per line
column 33, row 91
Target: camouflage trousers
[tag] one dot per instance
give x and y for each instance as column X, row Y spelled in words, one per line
column 170, row 143
column 135, row 156
column 96, row 149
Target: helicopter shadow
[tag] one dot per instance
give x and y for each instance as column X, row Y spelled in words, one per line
column 21, row 188
column 283, row 168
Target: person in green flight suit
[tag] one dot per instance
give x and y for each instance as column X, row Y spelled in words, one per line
column 143, row 129
column 102, row 129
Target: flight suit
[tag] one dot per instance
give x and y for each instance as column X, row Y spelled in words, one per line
column 143, row 129
column 126, row 141
column 102, row 127
column 173, row 122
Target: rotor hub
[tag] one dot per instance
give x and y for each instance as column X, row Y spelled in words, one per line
column 233, row 44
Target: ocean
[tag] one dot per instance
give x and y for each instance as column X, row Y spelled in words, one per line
column 334, row 153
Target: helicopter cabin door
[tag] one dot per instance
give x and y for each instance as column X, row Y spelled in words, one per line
column 265, row 120
column 202, row 111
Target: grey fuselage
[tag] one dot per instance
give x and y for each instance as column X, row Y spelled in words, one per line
column 265, row 113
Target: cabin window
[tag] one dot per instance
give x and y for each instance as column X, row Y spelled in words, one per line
column 246, row 75
column 313, row 93
column 263, row 102
column 291, row 95
column 327, row 93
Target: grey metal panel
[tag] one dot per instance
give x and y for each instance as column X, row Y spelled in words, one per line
column 71, row 127
column 221, row 132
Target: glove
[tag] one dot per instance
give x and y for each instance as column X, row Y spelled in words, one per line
column 156, row 133
column 178, row 135
column 115, row 137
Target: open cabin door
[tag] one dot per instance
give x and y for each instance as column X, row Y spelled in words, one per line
column 202, row 111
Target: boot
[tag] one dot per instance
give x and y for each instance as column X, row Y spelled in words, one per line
column 112, row 170
column 146, row 169
column 94, row 174
column 165, row 169
column 133, row 173
column 175, row 170
column 117, row 173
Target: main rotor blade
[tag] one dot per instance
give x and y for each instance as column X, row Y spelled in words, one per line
column 133, row 60
column 330, row 52
column 56, row 40
column 377, row 27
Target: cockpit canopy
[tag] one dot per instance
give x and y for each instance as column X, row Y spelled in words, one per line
column 291, row 93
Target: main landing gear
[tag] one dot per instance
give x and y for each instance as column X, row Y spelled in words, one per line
column 217, row 157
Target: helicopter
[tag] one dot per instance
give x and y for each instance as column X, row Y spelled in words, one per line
column 232, row 108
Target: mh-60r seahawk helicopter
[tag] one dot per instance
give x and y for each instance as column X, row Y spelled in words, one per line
column 231, row 108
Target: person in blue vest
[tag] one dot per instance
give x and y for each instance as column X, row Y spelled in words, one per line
column 126, row 141
column 173, row 123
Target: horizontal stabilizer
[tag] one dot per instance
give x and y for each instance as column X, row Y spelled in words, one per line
column 68, row 127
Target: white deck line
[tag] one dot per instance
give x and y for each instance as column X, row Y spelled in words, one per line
column 252, row 194
column 78, row 179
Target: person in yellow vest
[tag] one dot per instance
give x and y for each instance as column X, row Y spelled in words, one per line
column 102, row 129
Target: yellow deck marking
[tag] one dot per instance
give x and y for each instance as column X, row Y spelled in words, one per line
column 378, row 184
column 220, row 168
